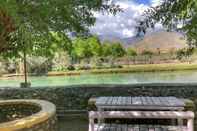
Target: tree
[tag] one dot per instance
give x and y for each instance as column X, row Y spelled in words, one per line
column 106, row 49
column 81, row 49
column 22, row 21
column 179, row 15
column 131, row 52
column 43, row 16
column 95, row 46
column 117, row 50
column 148, row 54
column 184, row 53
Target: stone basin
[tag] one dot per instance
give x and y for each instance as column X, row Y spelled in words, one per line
column 27, row 115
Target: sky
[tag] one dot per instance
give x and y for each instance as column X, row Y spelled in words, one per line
column 123, row 24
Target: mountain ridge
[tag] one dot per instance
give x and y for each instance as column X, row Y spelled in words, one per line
column 161, row 39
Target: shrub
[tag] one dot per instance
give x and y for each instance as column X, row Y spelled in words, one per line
column 147, row 52
column 71, row 68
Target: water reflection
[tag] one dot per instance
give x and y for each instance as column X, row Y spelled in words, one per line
column 126, row 78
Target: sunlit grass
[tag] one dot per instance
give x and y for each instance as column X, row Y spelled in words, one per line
column 132, row 68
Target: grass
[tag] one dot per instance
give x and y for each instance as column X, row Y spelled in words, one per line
column 132, row 68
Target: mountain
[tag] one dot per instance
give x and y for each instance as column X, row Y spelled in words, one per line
column 162, row 40
column 124, row 41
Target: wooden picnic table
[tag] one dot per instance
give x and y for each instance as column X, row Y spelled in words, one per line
column 188, row 115
column 140, row 103
column 141, row 107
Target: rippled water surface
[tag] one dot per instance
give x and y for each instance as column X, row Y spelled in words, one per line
column 121, row 78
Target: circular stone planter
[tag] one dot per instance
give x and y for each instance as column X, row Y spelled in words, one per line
column 27, row 115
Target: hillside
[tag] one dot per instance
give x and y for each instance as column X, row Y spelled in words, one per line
column 163, row 41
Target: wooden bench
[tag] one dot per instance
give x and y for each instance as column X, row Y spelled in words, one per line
column 140, row 103
column 188, row 115
column 118, row 127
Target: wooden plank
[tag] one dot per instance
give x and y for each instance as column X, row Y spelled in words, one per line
column 124, row 101
column 144, row 102
column 124, row 127
column 100, row 100
column 136, row 101
column 130, row 128
column 151, row 128
column 119, row 101
column 149, row 101
column 163, row 101
column 99, row 128
column 156, row 101
column 136, row 128
column 106, row 100
column 175, row 102
column 109, row 101
column 113, row 127
column 143, row 114
column 143, row 128
column 114, row 102
column 158, row 128
column 130, row 100
column 119, row 128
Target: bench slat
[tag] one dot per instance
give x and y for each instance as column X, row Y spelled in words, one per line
column 118, row 127
column 142, row 114
column 143, row 103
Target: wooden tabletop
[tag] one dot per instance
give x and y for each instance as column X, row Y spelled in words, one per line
column 140, row 103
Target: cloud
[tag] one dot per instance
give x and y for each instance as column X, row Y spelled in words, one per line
column 121, row 25
column 155, row 2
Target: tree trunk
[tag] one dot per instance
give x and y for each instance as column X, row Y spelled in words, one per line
column 25, row 66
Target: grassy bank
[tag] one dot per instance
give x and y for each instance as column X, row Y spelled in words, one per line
column 132, row 68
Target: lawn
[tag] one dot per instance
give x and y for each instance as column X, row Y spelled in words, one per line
column 132, row 68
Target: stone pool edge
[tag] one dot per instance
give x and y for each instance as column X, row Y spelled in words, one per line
column 48, row 111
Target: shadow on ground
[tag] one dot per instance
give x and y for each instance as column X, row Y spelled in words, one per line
column 73, row 123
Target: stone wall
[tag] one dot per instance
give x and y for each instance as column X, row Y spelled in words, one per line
column 75, row 98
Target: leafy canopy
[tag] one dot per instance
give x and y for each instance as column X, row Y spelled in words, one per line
column 178, row 15
column 36, row 18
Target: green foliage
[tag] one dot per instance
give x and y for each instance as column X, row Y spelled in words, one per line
column 86, row 48
column 131, row 52
column 117, row 50
column 71, row 68
column 40, row 17
column 184, row 53
column 81, row 48
column 172, row 13
column 106, row 49
column 147, row 52
column 95, row 46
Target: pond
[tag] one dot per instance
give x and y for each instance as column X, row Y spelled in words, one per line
column 189, row 76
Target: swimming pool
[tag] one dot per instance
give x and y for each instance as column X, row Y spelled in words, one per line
column 118, row 78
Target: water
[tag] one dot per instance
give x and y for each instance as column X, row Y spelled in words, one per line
column 121, row 78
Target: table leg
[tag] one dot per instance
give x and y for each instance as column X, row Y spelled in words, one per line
column 180, row 122
column 190, row 124
column 91, row 124
column 100, row 120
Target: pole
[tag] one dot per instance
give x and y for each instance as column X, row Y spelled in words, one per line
column 25, row 67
